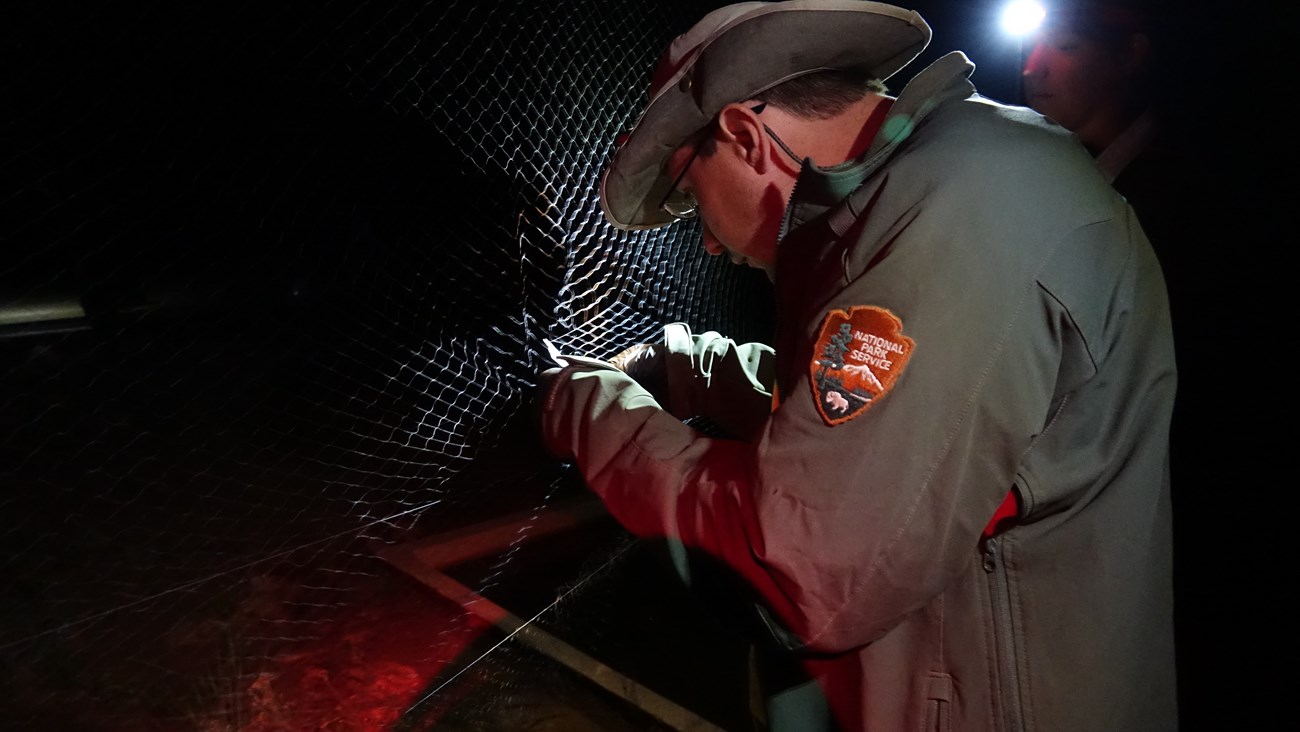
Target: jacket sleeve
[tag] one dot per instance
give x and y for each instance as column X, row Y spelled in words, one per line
column 658, row 476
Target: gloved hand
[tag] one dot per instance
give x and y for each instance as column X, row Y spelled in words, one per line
column 645, row 363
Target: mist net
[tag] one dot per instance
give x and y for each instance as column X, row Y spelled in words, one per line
column 274, row 285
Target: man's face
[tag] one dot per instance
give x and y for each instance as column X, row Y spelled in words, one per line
column 1070, row 78
column 739, row 212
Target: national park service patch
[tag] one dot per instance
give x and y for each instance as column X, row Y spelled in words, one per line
column 858, row 357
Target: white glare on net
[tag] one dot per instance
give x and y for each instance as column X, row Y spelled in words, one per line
column 1022, row 17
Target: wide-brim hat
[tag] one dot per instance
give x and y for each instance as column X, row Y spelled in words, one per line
column 733, row 54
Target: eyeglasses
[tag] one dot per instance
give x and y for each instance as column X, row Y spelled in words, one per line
column 678, row 204
column 681, row 204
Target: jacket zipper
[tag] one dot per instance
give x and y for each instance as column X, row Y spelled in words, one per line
column 1003, row 635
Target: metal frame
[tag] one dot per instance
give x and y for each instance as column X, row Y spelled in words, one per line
column 426, row 559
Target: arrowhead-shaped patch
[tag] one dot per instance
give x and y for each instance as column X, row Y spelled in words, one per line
column 858, row 356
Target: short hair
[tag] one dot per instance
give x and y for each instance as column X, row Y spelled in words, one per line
column 822, row 94
column 818, row 95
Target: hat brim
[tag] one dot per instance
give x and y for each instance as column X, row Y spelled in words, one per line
column 765, row 46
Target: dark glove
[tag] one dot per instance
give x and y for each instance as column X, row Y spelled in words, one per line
column 645, row 363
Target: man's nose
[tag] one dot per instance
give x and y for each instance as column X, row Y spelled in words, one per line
column 1036, row 63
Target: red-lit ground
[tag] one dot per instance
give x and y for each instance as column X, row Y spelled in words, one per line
column 371, row 663
column 401, row 657
column 373, row 650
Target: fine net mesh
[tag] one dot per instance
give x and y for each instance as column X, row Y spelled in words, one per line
column 274, row 285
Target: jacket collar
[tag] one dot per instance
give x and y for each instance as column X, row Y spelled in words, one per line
column 818, row 189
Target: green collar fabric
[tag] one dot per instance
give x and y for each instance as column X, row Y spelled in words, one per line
column 819, row 189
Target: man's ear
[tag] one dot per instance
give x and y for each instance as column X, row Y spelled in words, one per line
column 740, row 129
